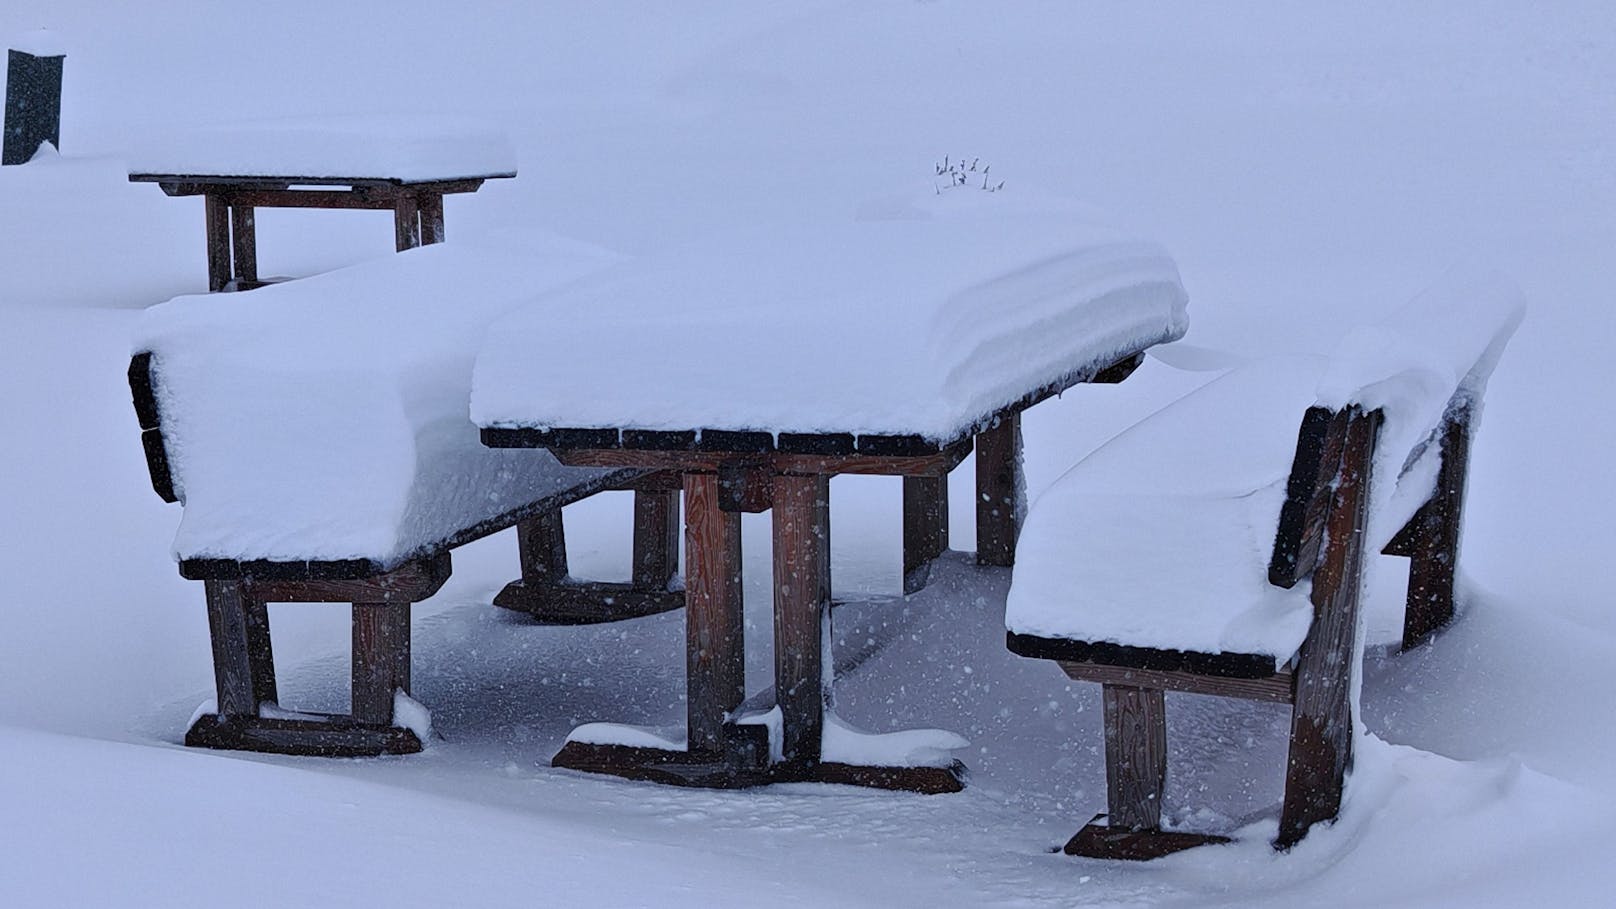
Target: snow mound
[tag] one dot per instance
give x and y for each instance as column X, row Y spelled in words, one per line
column 325, row 418
column 922, row 322
column 412, row 149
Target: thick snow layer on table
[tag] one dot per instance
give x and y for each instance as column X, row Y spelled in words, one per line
column 413, row 149
column 1162, row 537
column 326, row 418
column 915, row 317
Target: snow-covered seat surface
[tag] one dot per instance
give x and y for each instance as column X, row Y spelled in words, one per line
column 325, row 419
column 1162, row 537
column 915, row 319
column 412, row 149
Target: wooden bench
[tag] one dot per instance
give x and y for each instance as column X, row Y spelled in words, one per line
column 1142, row 568
column 316, row 433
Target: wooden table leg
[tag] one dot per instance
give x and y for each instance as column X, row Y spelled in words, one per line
column 998, row 490
column 801, row 608
column 381, row 659
column 431, row 218
column 218, row 229
column 656, row 538
column 407, row 222
column 925, row 527
column 243, row 663
column 715, row 647
column 244, row 245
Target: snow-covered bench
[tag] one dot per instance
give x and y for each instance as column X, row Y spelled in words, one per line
column 1179, row 557
column 318, row 436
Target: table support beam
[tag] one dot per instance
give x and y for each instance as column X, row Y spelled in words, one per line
column 244, row 245
column 925, row 527
column 998, row 490
column 407, row 222
column 715, row 646
column 217, row 214
column 431, row 218
column 801, row 610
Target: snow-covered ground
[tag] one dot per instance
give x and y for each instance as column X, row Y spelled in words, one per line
column 1309, row 168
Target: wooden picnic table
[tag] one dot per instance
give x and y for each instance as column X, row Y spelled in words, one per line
column 391, row 163
column 726, row 474
column 231, row 200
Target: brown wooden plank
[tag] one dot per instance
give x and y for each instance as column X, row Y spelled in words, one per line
column 709, row 462
column 1307, row 497
column 715, row 646
column 925, row 527
column 656, row 539
column 586, row 603
column 742, row 762
column 1275, row 689
column 217, row 217
column 801, row 609
column 1099, row 841
column 243, row 664
column 998, row 491
column 745, row 486
column 336, row 736
column 244, row 245
column 381, row 659
column 381, row 199
column 1434, row 553
column 1135, row 755
column 922, row 780
column 541, row 544
column 406, row 222
column 411, row 582
column 431, row 204
column 1321, row 719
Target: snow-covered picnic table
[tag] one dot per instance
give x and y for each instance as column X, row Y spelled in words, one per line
column 758, row 365
column 403, row 165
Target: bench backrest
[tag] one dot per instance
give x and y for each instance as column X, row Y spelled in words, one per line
column 1414, row 381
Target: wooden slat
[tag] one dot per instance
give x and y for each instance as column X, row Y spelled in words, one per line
column 925, row 527
column 411, row 582
column 715, row 647
column 656, row 539
column 1227, row 665
column 244, row 245
column 1098, row 841
column 243, row 664
column 801, row 609
column 709, row 462
column 381, row 659
column 1275, row 689
column 335, row 736
column 1135, row 755
column 217, row 219
column 586, row 603
column 195, row 184
column 998, row 490
column 381, row 199
column 1321, row 718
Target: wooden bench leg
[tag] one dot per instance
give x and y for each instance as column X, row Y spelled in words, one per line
column 656, row 538
column 244, row 246
column 1321, row 718
column 801, row 609
column 407, row 222
column 381, row 659
column 715, row 647
column 243, row 662
column 431, row 205
column 998, row 490
column 1135, row 756
column 925, row 527
column 217, row 215
column 541, row 542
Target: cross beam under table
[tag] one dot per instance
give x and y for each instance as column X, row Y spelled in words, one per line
column 230, row 204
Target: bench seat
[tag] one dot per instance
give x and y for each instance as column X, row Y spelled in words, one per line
column 317, row 435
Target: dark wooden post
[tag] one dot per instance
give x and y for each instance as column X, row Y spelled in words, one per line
column 998, row 490
column 244, row 246
column 243, row 663
column 801, row 607
column 541, row 543
column 381, row 659
column 407, row 221
column 925, row 527
column 1135, row 756
column 656, row 538
column 33, row 105
column 715, row 647
column 431, row 217
column 217, row 214
column 1321, row 717
column 1434, row 549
